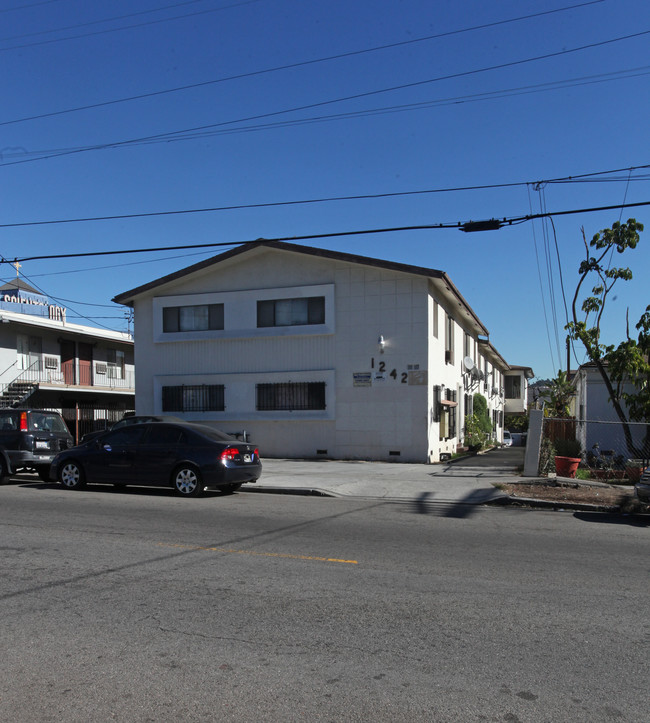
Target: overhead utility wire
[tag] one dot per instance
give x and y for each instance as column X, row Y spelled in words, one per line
column 170, row 135
column 347, row 115
column 369, row 196
column 55, row 298
column 124, row 27
column 541, row 283
column 99, row 22
column 509, row 221
column 291, row 66
column 31, row 5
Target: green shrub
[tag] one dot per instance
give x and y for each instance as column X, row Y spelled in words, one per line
column 474, row 435
column 568, row 448
column 546, row 456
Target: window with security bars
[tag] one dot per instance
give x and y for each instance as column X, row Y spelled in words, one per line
column 292, row 396
column 193, row 398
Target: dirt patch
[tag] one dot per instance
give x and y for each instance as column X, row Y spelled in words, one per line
column 579, row 493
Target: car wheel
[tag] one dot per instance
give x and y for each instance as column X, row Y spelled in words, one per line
column 229, row 489
column 4, row 472
column 71, row 475
column 187, row 481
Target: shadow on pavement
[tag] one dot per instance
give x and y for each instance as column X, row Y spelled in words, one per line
column 611, row 518
column 426, row 504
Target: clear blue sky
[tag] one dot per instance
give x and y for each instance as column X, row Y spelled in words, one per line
column 418, row 116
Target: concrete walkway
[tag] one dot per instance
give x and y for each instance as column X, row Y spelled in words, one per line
column 467, row 481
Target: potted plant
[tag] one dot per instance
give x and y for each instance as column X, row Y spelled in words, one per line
column 568, row 453
column 634, row 469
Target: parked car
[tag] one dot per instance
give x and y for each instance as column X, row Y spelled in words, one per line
column 187, row 457
column 29, row 439
column 642, row 487
column 133, row 419
column 507, row 439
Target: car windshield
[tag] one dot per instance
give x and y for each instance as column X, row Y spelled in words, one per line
column 37, row 421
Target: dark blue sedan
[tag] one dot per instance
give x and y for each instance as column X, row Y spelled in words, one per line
column 190, row 458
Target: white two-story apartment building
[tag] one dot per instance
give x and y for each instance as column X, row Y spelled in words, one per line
column 316, row 353
column 47, row 362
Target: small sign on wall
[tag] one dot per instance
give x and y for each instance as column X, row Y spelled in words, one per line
column 362, row 379
column 418, row 378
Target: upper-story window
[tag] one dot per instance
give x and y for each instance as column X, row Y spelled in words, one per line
column 513, row 387
column 192, row 318
column 449, row 340
column 291, row 312
column 115, row 363
column 435, row 318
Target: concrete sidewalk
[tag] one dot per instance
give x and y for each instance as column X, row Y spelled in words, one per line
column 450, row 483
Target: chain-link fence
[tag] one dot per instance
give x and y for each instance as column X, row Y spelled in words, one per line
column 607, row 448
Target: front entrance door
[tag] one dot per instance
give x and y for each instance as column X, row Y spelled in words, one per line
column 67, row 362
column 85, row 364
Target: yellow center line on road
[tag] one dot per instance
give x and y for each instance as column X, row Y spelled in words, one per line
column 260, row 554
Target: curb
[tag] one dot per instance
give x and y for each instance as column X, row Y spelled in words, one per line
column 299, row 491
column 558, row 506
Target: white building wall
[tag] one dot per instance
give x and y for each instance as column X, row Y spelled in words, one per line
column 386, row 420
column 597, row 419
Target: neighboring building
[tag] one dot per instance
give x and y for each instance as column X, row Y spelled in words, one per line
column 516, row 389
column 45, row 362
column 316, row 353
column 597, row 422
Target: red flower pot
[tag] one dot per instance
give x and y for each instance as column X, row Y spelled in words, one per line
column 634, row 473
column 566, row 466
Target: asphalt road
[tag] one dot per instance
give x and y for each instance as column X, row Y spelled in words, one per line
column 139, row 606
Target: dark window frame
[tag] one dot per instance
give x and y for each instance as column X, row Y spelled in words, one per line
column 269, row 312
column 290, row 396
column 193, row 398
column 172, row 318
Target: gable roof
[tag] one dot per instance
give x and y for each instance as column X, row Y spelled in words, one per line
column 127, row 297
column 20, row 285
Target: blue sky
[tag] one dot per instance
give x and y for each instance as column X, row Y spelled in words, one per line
column 428, row 96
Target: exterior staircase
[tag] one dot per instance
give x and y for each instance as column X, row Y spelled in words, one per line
column 17, row 392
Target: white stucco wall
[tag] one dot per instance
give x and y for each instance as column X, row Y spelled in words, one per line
column 387, row 420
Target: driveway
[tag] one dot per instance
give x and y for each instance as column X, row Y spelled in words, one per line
column 507, row 459
column 468, row 481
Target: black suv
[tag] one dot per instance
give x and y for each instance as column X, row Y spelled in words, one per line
column 29, row 439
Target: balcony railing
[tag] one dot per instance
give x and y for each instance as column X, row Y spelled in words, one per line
column 111, row 378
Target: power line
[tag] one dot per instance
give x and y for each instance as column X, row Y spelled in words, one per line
column 171, row 134
column 104, row 20
column 124, row 27
column 55, row 298
column 120, row 266
column 348, row 115
column 299, row 64
column 581, row 178
column 506, row 221
column 31, row 5
column 541, row 284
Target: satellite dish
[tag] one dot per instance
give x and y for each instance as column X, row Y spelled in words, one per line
column 469, row 363
column 481, row 375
